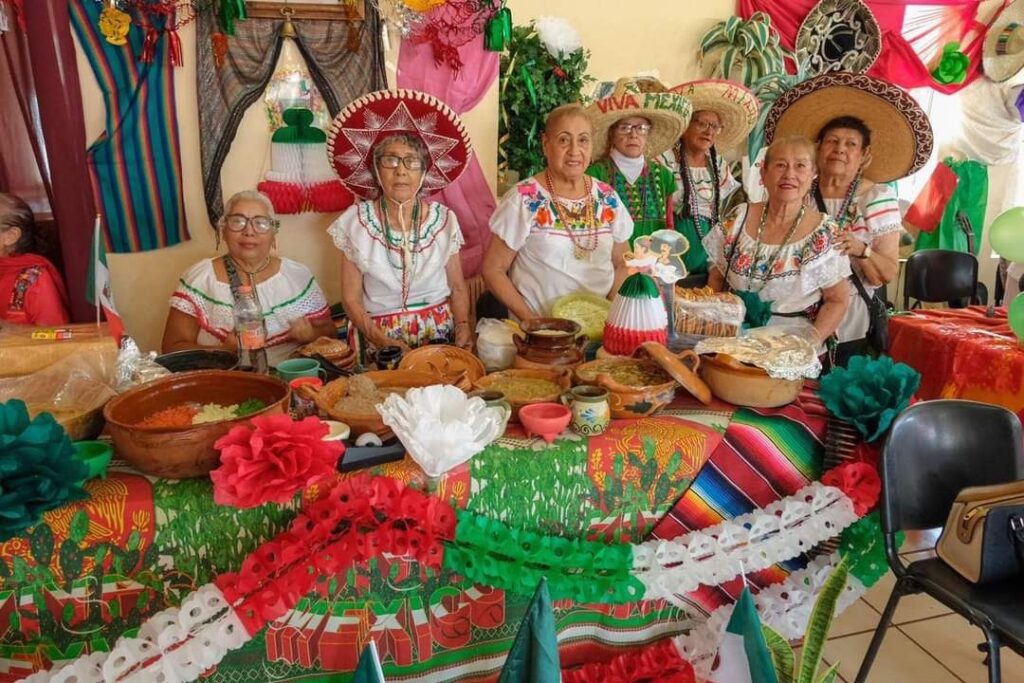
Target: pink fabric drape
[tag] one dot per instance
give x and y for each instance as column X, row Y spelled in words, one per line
column 470, row 196
column 899, row 62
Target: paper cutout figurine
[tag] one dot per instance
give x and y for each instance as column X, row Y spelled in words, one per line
column 660, row 255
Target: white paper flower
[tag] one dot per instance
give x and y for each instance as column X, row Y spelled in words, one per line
column 440, row 426
column 558, row 35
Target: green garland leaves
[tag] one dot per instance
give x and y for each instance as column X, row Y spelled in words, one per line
column 532, row 84
column 491, row 553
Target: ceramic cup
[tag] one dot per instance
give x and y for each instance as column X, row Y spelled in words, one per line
column 294, row 368
column 496, row 400
column 590, row 411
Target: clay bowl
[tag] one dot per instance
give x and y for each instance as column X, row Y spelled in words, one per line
column 746, row 385
column 629, row 401
column 184, row 452
column 551, row 341
column 457, row 366
column 546, row 420
column 562, row 378
column 363, row 422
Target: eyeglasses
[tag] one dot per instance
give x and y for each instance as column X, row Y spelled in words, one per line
column 237, row 222
column 709, row 125
column 640, row 129
column 391, row 161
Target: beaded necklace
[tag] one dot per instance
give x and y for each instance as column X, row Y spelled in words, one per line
column 844, row 213
column 690, row 187
column 778, row 250
column 583, row 247
column 408, row 257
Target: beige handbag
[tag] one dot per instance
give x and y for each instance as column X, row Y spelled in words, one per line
column 984, row 535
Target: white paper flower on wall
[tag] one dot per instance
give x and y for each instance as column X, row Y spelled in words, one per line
column 558, row 35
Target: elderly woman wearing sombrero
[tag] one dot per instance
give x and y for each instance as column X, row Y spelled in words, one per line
column 559, row 231
column 868, row 133
column 724, row 112
column 402, row 282
column 629, row 131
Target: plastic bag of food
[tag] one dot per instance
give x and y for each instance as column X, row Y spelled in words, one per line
column 74, row 390
column 134, row 367
column 494, row 343
column 702, row 313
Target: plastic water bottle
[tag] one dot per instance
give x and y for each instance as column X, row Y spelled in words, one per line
column 251, row 331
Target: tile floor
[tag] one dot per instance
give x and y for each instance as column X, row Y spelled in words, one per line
column 927, row 643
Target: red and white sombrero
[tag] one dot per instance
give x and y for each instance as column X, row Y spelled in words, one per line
column 357, row 129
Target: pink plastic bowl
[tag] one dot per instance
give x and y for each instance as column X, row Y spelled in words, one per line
column 546, row 420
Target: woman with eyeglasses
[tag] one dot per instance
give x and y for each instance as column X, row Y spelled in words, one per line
column 634, row 124
column 401, row 276
column 202, row 307
column 559, row 231
column 723, row 115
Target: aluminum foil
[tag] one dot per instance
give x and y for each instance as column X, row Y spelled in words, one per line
column 134, row 367
column 782, row 352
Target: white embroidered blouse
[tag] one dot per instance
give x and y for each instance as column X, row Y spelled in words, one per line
column 289, row 294
column 358, row 233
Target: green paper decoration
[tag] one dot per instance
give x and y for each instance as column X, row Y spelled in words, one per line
column 758, row 311
column 863, row 547
column 298, row 128
column 639, row 286
column 869, row 393
column 532, row 83
column 230, row 12
column 490, row 553
column 953, row 65
column 498, row 31
column 38, row 468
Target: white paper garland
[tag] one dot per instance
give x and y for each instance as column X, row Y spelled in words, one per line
column 784, row 607
column 779, row 532
column 179, row 644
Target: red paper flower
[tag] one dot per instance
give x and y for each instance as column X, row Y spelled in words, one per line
column 273, row 461
column 859, row 481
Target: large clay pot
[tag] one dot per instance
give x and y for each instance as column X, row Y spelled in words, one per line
column 746, row 385
column 551, row 342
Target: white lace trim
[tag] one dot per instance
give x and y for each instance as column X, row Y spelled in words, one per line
column 781, row 531
column 784, row 607
column 182, row 644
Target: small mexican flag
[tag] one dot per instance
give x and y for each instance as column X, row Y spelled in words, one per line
column 743, row 655
column 98, row 291
column 534, row 654
column 368, row 670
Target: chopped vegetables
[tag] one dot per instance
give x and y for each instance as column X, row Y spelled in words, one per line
column 193, row 413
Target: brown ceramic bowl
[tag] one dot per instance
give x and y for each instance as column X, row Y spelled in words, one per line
column 746, row 385
column 626, row 400
column 561, row 378
column 184, row 452
column 550, row 342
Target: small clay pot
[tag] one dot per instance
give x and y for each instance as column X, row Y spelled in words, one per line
column 551, row 341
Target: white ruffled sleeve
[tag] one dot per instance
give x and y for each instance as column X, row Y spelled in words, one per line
column 622, row 226
column 456, row 240
column 881, row 211
column 826, row 266
column 193, row 285
column 511, row 220
column 341, row 232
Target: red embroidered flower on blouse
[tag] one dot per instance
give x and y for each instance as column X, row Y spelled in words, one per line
column 820, row 242
column 272, row 460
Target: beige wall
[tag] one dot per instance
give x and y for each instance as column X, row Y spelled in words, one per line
column 643, row 35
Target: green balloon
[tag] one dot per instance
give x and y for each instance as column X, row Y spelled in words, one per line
column 1006, row 234
column 1016, row 315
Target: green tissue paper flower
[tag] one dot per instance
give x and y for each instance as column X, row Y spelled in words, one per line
column 953, row 66
column 759, row 311
column 38, row 468
column 869, row 393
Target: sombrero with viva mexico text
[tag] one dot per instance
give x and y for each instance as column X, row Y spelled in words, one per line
column 1003, row 52
column 901, row 135
column 669, row 113
column 363, row 123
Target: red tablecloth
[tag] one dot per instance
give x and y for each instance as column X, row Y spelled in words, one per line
column 960, row 353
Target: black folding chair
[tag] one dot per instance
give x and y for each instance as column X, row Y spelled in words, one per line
column 934, row 450
column 935, row 275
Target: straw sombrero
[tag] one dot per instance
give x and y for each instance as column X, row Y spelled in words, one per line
column 1003, row 52
column 839, row 35
column 668, row 113
column 901, row 134
column 376, row 115
column 736, row 106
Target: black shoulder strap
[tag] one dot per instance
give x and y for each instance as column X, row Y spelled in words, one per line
column 819, row 200
column 234, row 279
